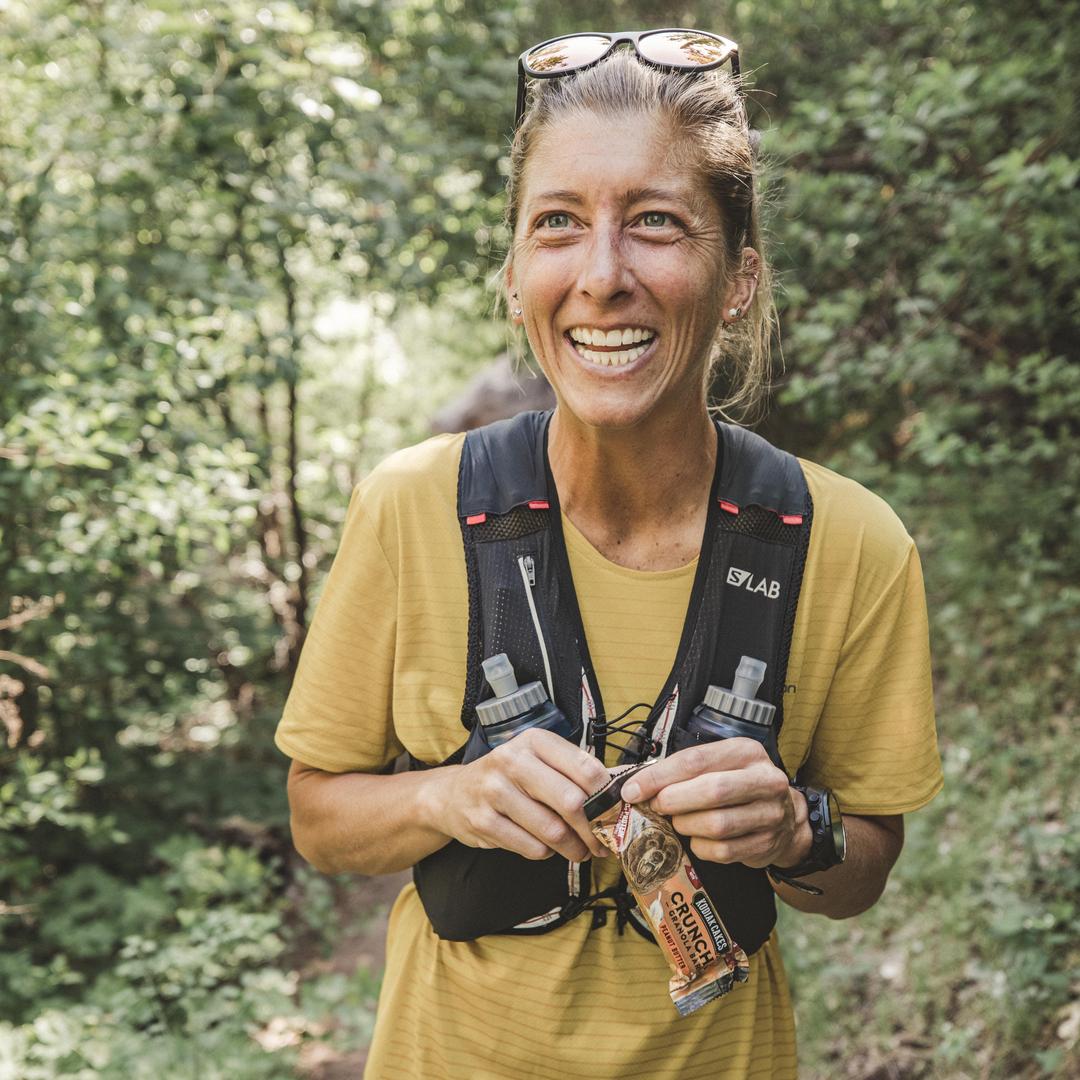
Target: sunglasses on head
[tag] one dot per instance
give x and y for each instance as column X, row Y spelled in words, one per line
column 673, row 49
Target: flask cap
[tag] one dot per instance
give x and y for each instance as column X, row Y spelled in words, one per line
column 510, row 700
column 741, row 700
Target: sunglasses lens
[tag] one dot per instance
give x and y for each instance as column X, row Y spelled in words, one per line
column 684, row 48
column 565, row 54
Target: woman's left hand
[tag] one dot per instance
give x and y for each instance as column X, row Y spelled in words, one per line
column 730, row 800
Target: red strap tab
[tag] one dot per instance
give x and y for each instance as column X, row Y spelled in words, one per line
column 791, row 519
column 476, row 519
column 730, row 507
column 539, row 504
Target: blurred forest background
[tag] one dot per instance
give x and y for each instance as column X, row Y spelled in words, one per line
column 244, row 250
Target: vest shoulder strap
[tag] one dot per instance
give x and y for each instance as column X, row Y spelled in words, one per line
column 502, row 465
column 756, row 473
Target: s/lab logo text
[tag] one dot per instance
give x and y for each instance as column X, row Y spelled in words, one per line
column 743, row 579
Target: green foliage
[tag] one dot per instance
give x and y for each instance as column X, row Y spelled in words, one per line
column 43, row 799
column 210, row 233
column 929, row 240
column 174, row 970
column 975, row 943
column 243, row 249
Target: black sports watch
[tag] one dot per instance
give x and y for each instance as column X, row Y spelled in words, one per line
column 828, row 844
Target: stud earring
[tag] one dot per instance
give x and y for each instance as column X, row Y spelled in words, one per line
column 734, row 312
column 516, row 312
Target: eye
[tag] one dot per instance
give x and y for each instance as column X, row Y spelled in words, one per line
column 555, row 220
column 656, row 219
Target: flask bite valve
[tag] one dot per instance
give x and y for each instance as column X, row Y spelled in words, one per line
column 748, row 678
column 499, row 673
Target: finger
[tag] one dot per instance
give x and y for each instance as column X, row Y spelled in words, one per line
column 731, row 822
column 548, row 827
column 539, row 772
column 754, row 849
column 761, row 781
column 685, row 764
column 501, row 832
column 575, row 764
column 565, row 798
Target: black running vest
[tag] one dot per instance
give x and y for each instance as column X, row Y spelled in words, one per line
column 743, row 602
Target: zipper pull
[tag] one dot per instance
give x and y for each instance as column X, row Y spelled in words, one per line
column 530, row 569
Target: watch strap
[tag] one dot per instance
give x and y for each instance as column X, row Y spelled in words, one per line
column 823, row 854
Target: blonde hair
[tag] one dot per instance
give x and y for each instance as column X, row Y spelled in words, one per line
column 707, row 114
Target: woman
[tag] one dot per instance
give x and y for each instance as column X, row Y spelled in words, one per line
column 636, row 261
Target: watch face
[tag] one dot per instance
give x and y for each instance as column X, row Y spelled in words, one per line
column 836, row 823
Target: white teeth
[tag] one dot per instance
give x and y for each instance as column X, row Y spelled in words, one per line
column 585, row 335
column 613, row 359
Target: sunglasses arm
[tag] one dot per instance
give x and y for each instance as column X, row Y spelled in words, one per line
column 520, row 93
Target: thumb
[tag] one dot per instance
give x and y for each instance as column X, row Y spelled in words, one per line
column 643, row 785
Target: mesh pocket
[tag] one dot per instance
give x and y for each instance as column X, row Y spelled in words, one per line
column 521, row 521
column 762, row 524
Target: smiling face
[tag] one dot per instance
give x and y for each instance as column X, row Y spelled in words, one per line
column 617, row 266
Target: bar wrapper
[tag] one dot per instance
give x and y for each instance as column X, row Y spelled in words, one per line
column 705, row 961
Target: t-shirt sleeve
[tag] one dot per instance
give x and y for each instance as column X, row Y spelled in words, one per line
column 338, row 715
column 875, row 745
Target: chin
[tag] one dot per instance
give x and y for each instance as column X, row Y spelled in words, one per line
column 614, row 416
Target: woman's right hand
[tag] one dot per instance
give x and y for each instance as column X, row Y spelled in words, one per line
column 525, row 796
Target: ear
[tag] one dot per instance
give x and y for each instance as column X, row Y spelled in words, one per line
column 740, row 293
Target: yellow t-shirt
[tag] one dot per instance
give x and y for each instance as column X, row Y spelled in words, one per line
column 383, row 670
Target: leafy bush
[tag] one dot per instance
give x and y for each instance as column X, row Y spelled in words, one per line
column 171, row 968
column 229, row 283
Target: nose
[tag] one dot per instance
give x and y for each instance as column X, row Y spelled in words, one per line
column 605, row 273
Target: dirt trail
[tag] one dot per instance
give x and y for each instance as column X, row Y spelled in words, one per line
column 362, row 906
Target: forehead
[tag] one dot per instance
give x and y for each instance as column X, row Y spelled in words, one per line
column 605, row 159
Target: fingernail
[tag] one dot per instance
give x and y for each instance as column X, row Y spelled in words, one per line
column 631, row 791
